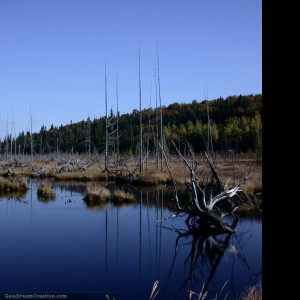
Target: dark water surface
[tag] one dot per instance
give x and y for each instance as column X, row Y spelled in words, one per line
column 64, row 246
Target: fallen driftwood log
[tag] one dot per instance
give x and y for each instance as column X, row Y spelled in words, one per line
column 11, row 176
column 37, row 171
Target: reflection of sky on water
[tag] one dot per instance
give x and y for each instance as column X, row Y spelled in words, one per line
column 63, row 245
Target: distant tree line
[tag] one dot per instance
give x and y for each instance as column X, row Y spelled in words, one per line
column 235, row 122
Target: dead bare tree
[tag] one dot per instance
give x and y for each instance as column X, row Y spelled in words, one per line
column 31, row 141
column 31, row 138
column 149, row 129
column 15, row 141
column 110, row 140
column 106, row 121
column 209, row 143
column 37, row 171
column 6, row 144
column 211, row 200
column 157, row 150
column 11, row 138
column 141, row 127
column 110, row 123
column 87, row 141
column 161, row 116
column 117, row 121
column 131, row 172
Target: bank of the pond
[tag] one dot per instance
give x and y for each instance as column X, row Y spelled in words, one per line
column 152, row 175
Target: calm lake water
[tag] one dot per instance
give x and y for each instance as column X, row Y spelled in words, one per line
column 64, row 246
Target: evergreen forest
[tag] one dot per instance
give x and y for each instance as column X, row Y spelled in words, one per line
column 235, row 124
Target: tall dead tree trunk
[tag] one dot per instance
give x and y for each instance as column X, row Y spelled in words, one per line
column 118, row 142
column 41, row 143
column 110, row 131
column 209, row 146
column 31, row 138
column 11, row 135
column 24, row 142
column 161, row 116
column 157, row 149
column 15, row 142
column 106, row 122
column 148, row 132
column 6, row 144
column 87, row 141
column 141, row 128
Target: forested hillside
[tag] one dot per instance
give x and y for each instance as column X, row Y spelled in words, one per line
column 236, row 124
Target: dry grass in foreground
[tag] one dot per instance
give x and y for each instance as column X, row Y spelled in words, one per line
column 251, row 293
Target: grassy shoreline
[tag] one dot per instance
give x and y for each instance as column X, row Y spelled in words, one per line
column 153, row 175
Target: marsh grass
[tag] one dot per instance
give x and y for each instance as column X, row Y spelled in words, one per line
column 152, row 177
column 119, row 197
column 81, row 176
column 97, row 195
column 250, row 293
column 228, row 169
column 45, row 191
column 7, row 186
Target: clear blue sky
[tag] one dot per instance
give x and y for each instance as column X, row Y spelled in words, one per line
column 52, row 55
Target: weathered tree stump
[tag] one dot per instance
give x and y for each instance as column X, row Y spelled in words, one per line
column 211, row 200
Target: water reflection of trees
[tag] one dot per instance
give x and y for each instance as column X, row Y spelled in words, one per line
column 206, row 253
column 206, row 248
column 17, row 196
column 46, row 199
column 77, row 187
column 97, row 207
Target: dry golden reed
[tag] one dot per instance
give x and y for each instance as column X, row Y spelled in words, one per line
column 7, row 186
column 119, row 196
column 97, row 194
column 45, row 190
